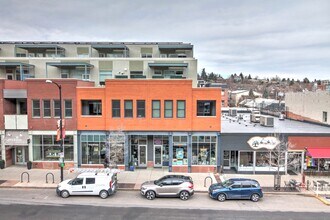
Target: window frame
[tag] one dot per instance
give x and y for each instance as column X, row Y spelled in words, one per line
column 168, row 109
column 129, row 113
column 37, row 109
column 138, row 109
column 153, row 109
column 112, row 108
column 65, row 108
column 177, row 108
column 43, row 108
column 54, row 108
column 212, row 104
column 98, row 103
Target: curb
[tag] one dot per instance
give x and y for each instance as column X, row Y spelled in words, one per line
column 325, row 202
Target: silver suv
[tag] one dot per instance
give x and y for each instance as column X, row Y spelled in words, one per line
column 169, row 186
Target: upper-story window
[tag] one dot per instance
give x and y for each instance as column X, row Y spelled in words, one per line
column 46, row 108
column 168, row 109
column 116, row 108
column 206, row 108
column 57, row 108
column 325, row 116
column 156, row 108
column 35, row 108
column 91, row 107
column 140, row 108
column 83, row 51
column 128, row 105
column 68, row 108
column 146, row 52
column 181, row 109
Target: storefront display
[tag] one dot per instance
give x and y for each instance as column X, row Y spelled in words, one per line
column 204, row 150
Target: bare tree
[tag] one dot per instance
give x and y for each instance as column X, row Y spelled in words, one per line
column 115, row 149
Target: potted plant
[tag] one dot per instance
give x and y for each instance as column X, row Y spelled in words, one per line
column 131, row 165
column 29, row 165
column 2, row 164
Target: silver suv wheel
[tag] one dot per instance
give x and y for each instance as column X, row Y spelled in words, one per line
column 150, row 195
column 184, row 195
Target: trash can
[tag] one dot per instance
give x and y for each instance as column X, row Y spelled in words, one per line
column 29, row 165
column 2, row 164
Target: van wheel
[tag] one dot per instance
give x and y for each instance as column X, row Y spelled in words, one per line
column 150, row 195
column 104, row 194
column 184, row 195
column 255, row 197
column 221, row 197
column 65, row 194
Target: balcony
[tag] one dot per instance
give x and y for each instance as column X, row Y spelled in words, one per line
column 16, row 122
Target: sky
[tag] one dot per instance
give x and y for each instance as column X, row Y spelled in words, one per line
column 264, row 38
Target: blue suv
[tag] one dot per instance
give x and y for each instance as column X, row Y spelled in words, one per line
column 236, row 188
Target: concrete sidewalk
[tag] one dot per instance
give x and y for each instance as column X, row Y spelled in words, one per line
column 11, row 177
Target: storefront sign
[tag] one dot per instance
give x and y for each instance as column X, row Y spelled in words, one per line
column 16, row 138
column 263, row 142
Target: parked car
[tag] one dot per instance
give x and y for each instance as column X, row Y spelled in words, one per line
column 169, row 186
column 237, row 188
column 102, row 184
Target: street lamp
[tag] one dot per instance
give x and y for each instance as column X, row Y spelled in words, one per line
column 61, row 129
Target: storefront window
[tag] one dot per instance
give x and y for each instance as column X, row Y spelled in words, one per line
column 138, row 153
column 246, row 159
column 262, row 159
column 180, row 150
column 203, row 150
column 93, row 149
column 163, row 140
column 46, row 148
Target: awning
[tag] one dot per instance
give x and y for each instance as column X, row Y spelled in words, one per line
column 71, row 64
column 168, row 64
column 109, row 46
column 15, row 64
column 39, row 46
column 176, row 46
column 319, row 152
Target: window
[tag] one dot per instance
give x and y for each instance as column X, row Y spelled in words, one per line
column 78, row 181
column 85, row 77
column 116, row 108
column 83, row 51
column 206, row 108
column 236, row 185
column 246, row 159
column 90, row 180
column 68, row 108
column 146, row 55
column 35, row 108
column 93, row 148
column 181, row 109
column 91, row 107
column 325, row 116
column 57, row 108
column 65, row 73
column 168, row 109
column 140, row 108
column 204, row 150
column 155, row 108
column 128, row 106
column 136, row 73
column 46, row 108
column 103, row 75
column 10, row 76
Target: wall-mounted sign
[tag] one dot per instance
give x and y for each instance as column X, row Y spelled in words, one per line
column 16, row 138
column 263, row 142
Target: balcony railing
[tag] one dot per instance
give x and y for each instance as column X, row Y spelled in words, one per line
column 16, row 122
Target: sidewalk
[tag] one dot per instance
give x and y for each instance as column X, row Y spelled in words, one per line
column 10, row 177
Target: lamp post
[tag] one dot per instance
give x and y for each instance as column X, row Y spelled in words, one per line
column 61, row 129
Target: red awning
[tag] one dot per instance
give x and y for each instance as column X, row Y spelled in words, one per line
column 319, row 152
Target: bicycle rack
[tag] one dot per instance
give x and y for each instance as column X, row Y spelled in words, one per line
column 206, row 179
column 47, row 177
column 28, row 175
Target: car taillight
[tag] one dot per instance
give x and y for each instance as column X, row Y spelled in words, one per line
column 191, row 186
column 110, row 184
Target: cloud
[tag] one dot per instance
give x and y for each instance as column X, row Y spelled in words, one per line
column 257, row 37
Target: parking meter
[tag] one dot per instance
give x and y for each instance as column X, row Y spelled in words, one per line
column 61, row 160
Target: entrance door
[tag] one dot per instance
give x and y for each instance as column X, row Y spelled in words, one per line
column 158, row 156
column 226, row 159
column 21, row 154
column 142, row 156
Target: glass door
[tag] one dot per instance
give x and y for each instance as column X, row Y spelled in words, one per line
column 226, row 159
column 142, row 156
column 20, row 155
column 158, row 156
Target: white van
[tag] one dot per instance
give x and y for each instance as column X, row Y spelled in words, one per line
column 102, row 184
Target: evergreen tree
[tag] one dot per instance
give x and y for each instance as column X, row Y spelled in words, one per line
column 306, row 80
column 204, row 75
column 249, row 77
column 265, row 94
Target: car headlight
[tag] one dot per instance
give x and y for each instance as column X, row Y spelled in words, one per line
column 143, row 188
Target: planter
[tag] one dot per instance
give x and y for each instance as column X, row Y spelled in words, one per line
column 2, row 164
column 29, row 165
column 131, row 168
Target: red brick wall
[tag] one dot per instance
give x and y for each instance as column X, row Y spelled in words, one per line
column 203, row 169
column 51, row 165
column 9, row 157
column 180, row 169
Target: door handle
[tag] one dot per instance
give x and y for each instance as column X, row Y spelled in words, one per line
column 84, row 187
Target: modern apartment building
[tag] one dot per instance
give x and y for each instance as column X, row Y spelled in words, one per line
column 97, row 61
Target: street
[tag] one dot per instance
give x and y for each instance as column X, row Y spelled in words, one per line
column 44, row 203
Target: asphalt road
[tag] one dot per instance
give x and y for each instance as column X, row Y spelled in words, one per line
column 45, row 204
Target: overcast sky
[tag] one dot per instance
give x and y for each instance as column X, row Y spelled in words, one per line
column 263, row 38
